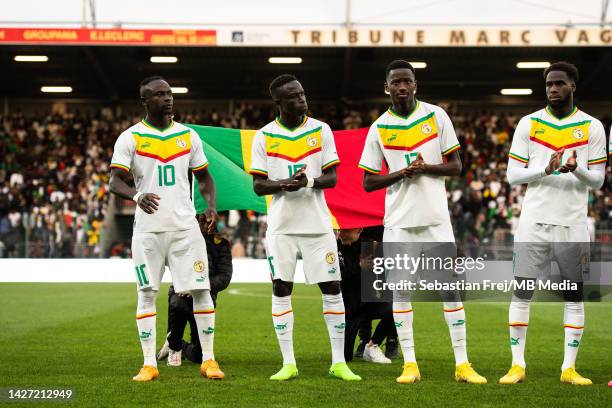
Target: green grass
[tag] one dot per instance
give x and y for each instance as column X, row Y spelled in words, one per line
column 83, row 336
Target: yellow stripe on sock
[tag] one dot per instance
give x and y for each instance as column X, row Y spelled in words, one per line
column 282, row 314
column 144, row 316
column 403, row 311
column 453, row 310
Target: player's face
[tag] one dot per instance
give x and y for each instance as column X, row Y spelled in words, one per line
column 401, row 86
column 559, row 88
column 158, row 98
column 292, row 99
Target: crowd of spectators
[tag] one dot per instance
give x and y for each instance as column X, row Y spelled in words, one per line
column 54, row 174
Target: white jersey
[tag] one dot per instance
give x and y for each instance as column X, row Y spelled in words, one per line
column 161, row 161
column 420, row 201
column 278, row 153
column 559, row 198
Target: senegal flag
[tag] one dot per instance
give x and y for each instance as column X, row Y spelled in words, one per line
column 229, row 154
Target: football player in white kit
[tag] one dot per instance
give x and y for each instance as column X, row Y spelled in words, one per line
column 162, row 155
column 418, row 142
column 293, row 159
column 560, row 153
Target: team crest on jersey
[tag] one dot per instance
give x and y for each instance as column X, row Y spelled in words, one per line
column 198, row 266
column 578, row 134
column 181, row 143
column 330, row 257
column 426, row 128
column 311, row 141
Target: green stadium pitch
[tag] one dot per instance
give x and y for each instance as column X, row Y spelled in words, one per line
column 83, row 337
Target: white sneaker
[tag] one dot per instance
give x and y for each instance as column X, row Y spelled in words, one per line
column 374, row 354
column 162, row 354
column 174, row 358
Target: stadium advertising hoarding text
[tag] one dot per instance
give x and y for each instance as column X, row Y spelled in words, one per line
column 84, row 36
column 417, row 37
column 318, row 37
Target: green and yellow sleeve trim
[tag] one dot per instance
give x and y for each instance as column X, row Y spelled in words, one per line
column 451, row 149
column 599, row 160
column 199, row 168
column 119, row 166
column 369, row 170
column 259, row 172
column 334, row 162
column 518, row 158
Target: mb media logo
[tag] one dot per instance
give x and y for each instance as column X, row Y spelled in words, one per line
column 210, row 330
column 146, row 335
column 281, row 326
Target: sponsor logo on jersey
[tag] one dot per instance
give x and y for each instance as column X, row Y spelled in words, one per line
column 181, row 143
column 578, row 134
column 539, row 131
column 145, row 145
column 210, row 330
column 311, row 141
column 332, row 271
column 330, row 257
column 198, row 266
column 146, row 335
column 426, row 128
column 281, row 326
column 573, row 343
column 274, row 145
column 392, row 138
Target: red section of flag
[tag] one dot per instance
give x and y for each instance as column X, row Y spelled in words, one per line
column 348, row 201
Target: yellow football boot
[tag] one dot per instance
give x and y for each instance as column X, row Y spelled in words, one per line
column 465, row 373
column 571, row 376
column 410, row 374
column 515, row 375
column 146, row 373
column 210, row 369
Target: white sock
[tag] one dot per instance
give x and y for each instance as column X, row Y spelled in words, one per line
column 518, row 320
column 573, row 320
column 403, row 316
column 146, row 317
column 333, row 312
column 204, row 315
column 282, row 318
column 454, row 314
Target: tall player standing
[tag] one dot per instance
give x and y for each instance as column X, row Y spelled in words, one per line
column 418, row 142
column 161, row 154
column 294, row 158
column 559, row 152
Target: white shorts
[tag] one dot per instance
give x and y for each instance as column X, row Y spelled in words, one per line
column 319, row 253
column 183, row 251
column 432, row 233
column 537, row 245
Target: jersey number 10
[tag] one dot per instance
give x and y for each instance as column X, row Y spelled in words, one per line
column 165, row 175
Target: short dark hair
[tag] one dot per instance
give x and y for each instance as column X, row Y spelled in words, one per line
column 397, row 64
column 280, row 81
column 147, row 81
column 569, row 69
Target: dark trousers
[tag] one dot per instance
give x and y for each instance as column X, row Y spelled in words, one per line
column 180, row 312
column 364, row 315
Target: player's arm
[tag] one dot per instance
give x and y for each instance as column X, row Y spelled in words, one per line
column 452, row 166
column 373, row 182
column 119, row 185
column 206, row 186
column 593, row 174
column 519, row 171
column 262, row 185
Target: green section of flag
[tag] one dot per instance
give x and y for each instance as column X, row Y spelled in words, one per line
column 223, row 149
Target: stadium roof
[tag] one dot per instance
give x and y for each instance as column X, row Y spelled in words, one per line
column 199, row 13
column 239, row 73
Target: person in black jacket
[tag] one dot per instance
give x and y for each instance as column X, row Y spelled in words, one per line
column 180, row 305
column 359, row 314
